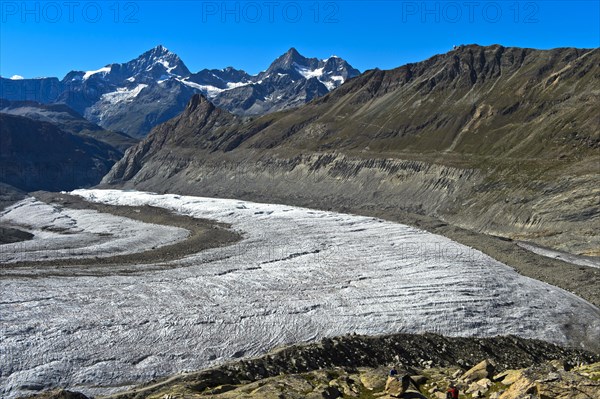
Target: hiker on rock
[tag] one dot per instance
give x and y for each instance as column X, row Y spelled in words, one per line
column 452, row 392
column 393, row 372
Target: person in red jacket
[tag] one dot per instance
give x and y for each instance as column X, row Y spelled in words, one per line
column 452, row 392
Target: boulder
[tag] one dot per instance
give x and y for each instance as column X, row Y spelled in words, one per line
column 346, row 386
column 373, row 379
column 520, row 388
column 393, row 386
column 330, row 393
column 545, row 382
column 484, row 369
column 559, row 364
column 508, row 377
column 457, row 373
column 479, row 389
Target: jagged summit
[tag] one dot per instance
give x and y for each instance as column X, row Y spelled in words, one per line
column 196, row 101
column 157, row 53
column 160, row 49
column 286, row 62
column 289, row 57
column 156, row 61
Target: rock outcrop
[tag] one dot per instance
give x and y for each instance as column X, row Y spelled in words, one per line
column 542, row 381
column 359, row 365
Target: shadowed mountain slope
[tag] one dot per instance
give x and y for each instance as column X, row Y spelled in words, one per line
column 37, row 155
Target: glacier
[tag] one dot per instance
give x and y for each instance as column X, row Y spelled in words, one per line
column 297, row 275
column 63, row 233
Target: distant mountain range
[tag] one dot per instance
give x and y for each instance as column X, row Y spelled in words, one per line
column 135, row 96
column 500, row 140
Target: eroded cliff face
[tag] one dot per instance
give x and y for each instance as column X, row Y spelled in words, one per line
column 498, row 140
column 561, row 218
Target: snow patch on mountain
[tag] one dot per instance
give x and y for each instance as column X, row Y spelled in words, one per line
column 330, row 81
column 233, row 85
column 208, row 90
column 103, row 70
column 333, row 83
column 309, row 73
column 211, row 91
column 122, row 94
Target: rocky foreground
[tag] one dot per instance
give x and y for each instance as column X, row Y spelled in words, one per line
column 358, row 367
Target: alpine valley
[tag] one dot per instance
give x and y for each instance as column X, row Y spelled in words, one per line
column 296, row 233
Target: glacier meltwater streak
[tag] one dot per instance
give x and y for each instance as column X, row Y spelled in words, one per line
column 296, row 275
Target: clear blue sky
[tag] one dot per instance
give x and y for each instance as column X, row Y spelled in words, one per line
column 52, row 38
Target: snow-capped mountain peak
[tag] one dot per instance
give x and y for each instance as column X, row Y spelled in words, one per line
column 157, row 62
column 332, row 71
column 157, row 84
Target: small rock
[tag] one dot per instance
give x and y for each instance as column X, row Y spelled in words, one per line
column 472, row 388
column 220, row 389
column 331, row 393
column 485, row 382
column 457, row 374
column 428, row 364
column 550, row 377
column 559, row 365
